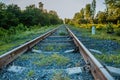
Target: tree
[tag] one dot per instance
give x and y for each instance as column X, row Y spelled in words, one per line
column 2, row 6
column 88, row 12
column 8, row 16
column 14, row 9
column 12, row 15
column 113, row 13
column 41, row 5
column 79, row 17
column 82, row 13
column 101, row 17
column 93, row 6
column 54, row 19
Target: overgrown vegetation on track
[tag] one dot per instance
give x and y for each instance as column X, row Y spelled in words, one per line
column 54, row 58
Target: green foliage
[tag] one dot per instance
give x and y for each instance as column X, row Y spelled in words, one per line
column 3, row 32
column 101, row 17
column 60, row 47
column 93, row 7
column 87, row 14
column 44, row 61
column 62, row 33
column 59, row 76
column 11, row 15
column 31, row 73
column 118, row 32
column 25, row 57
column 49, row 48
column 36, row 47
column 59, row 59
column 111, row 58
column 85, row 30
column 110, row 28
column 49, row 59
column 18, row 35
column 100, row 27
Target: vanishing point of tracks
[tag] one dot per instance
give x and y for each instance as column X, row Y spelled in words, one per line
column 55, row 55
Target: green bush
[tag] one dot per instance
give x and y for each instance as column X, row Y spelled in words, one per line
column 99, row 27
column 118, row 25
column 110, row 28
column 21, row 27
column 118, row 32
column 3, row 32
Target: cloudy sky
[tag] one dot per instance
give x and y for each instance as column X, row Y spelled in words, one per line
column 64, row 8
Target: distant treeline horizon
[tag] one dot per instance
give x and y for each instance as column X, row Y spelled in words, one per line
column 12, row 15
column 87, row 14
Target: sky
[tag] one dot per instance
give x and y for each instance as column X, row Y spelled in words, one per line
column 64, row 8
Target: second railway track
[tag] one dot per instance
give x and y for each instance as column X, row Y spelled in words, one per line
column 52, row 58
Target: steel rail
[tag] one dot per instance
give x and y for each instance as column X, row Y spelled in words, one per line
column 96, row 68
column 8, row 57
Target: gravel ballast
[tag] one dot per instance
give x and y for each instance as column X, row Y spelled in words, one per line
column 53, row 57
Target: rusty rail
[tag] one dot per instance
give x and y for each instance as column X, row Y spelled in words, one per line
column 13, row 54
column 97, row 70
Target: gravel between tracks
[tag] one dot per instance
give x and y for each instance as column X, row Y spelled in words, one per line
column 50, row 63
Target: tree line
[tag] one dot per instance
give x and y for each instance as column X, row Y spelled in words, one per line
column 87, row 15
column 12, row 15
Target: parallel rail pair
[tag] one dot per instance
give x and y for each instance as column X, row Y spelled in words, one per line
column 97, row 70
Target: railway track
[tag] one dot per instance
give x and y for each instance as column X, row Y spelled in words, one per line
column 55, row 53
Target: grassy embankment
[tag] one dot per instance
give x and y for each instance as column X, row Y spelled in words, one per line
column 101, row 33
column 14, row 37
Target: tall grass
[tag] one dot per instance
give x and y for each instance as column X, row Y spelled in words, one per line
column 101, row 31
column 111, row 58
column 18, row 35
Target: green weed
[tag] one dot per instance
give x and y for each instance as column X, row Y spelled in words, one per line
column 59, row 59
column 36, row 47
column 62, row 33
column 50, row 59
column 30, row 73
column 25, row 57
column 49, row 48
column 60, row 47
column 114, row 58
column 59, row 76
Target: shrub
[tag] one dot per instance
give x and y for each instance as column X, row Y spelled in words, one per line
column 110, row 28
column 3, row 32
column 118, row 26
column 21, row 27
column 99, row 27
column 118, row 32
